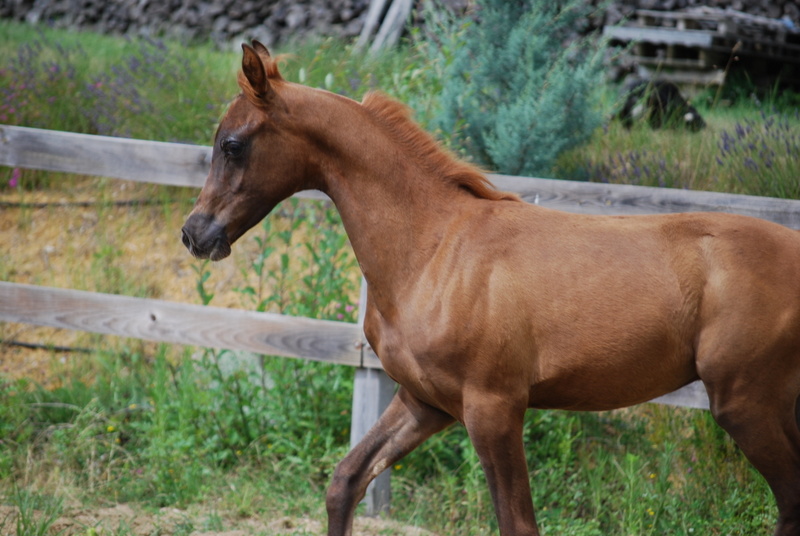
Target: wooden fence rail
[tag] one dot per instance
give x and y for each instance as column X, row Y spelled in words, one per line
column 335, row 342
column 195, row 325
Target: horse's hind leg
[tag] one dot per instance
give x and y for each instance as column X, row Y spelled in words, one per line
column 405, row 424
column 761, row 415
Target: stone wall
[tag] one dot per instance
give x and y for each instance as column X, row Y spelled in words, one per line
column 275, row 21
column 223, row 21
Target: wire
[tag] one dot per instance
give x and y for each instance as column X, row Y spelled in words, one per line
column 34, row 346
column 125, row 203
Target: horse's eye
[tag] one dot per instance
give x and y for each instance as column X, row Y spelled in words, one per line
column 232, row 148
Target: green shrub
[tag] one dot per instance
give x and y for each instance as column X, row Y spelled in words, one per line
column 513, row 96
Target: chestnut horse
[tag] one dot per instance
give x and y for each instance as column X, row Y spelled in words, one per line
column 481, row 306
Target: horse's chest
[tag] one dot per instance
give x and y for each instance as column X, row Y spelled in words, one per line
column 412, row 360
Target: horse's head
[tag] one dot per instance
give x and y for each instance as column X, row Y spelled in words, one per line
column 258, row 160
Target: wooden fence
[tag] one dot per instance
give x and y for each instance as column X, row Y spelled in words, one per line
column 273, row 334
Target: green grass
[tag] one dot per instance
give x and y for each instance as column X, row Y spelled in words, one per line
column 165, row 426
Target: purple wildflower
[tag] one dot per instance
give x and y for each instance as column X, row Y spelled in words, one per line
column 13, row 182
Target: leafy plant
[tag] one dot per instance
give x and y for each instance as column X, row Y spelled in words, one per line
column 513, row 96
column 36, row 513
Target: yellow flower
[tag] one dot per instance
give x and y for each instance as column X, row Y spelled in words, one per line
column 398, row 467
column 132, row 406
column 652, row 476
column 650, row 512
column 110, row 428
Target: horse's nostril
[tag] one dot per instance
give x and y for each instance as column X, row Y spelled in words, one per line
column 185, row 238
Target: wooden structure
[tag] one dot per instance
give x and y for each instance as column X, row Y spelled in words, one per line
column 697, row 45
column 273, row 334
column 387, row 18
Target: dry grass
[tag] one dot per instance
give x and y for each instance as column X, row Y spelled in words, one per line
column 133, row 250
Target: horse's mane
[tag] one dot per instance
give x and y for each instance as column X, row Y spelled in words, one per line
column 396, row 117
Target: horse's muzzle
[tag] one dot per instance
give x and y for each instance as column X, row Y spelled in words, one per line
column 205, row 238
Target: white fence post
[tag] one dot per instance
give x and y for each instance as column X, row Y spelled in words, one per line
column 372, row 392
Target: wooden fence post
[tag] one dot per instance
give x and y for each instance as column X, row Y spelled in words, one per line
column 376, row 9
column 393, row 23
column 372, row 392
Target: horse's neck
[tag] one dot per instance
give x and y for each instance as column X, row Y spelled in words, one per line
column 394, row 227
column 393, row 209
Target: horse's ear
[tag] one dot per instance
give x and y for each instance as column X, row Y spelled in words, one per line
column 254, row 71
column 260, row 48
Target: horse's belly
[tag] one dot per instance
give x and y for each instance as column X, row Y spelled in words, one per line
column 601, row 382
column 599, row 371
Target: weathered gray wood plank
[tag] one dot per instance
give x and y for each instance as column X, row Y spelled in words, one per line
column 170, row 164
column 216, row 327
column 373, row 389
column 164, row 321
column 187, row 165
column 693, row 395
column 393, row 24
column 688, row 38
column 376, row 9
column 599, row 198
column 140, row 160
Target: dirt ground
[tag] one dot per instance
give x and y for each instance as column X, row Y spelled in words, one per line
column 58, row 243
column 122, row 519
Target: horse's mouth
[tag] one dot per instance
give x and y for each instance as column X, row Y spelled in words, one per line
column 207, row 241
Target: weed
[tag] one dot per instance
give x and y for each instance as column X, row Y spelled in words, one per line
column 36, row 513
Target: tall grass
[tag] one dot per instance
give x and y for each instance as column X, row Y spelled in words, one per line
column 161, row 425
column 747, row 150
column 101, row 85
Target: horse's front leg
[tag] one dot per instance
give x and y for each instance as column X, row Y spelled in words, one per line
column 405, row 424
column 495, row 428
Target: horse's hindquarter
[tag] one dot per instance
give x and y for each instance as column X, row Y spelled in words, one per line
column 751, row 306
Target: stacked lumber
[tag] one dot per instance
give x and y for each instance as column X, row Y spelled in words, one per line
column 698, row 45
